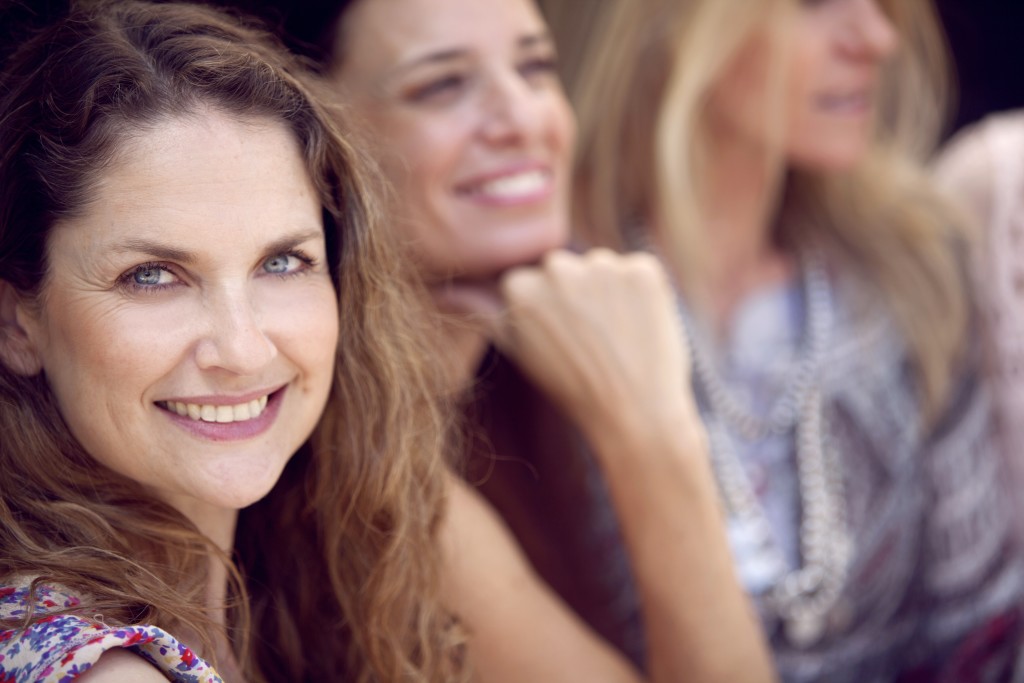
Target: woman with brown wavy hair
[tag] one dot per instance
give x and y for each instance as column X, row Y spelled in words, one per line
column 218, row 449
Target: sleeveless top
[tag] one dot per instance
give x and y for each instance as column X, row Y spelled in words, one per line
column 61, row 647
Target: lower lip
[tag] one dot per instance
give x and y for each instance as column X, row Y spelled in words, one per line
column 853, row 109
column 231, row 431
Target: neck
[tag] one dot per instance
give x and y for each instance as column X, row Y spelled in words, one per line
column 741, row 199
column 218, row 525
column 462, row 349
column 464, row 313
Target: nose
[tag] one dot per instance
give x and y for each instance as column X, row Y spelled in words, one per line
column 236, row 340
column 510, row 110
column 870, row 33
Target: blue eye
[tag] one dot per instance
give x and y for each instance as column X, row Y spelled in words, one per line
column 277, row 264
column 147, row 276
column 150, row 275
column 286, row 264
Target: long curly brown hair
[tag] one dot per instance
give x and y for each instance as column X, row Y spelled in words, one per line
column 336, row 572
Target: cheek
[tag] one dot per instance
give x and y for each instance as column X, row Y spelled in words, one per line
column 563, row 129
column 806, row 80
column 305, row 327
column 114, row 349
column 739, row 99
column 101, row 363
column 425, row 164
column 421, row 151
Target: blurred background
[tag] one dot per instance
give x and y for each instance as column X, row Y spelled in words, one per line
column 987, row 39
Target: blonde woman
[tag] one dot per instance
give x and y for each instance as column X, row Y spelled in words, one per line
column 767, row 153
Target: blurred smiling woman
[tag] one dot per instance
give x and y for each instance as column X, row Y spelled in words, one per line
column 181, row 224
column 769, row 153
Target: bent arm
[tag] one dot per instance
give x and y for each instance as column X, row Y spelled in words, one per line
column 700, row 624
column 599, row 333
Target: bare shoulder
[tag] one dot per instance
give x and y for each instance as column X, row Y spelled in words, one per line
column 475, row 538
column 122, row 666
column 519, row 628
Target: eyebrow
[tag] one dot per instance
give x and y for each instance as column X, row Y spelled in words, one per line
column 441, row 56
column 166, row 252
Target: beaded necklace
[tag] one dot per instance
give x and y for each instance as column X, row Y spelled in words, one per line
column 804, row 597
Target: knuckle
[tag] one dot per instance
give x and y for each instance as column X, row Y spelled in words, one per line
column 520, row 284
column 558, row 260
column 648, row 268
column 603, row 255
column 565, row 269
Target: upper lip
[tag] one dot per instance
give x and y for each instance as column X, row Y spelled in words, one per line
column 503, row 172
column 224, row 399
column 863, row 89
column 847, row 94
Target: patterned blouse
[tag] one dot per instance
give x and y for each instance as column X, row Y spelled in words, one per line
column 935, row 577
column 61, row 647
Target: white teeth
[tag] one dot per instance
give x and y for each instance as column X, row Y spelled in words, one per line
column 221, row 414
column 513, row 186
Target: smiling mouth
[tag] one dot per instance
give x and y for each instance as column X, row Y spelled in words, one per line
column 510, row 187
column 221, row 414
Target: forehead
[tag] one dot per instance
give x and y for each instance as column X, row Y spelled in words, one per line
column 199, row 175
column 384, row 32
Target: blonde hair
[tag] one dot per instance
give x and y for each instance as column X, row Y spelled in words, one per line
column 642, row 91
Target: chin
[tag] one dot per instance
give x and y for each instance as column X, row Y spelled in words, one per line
column 237, row 499
column 840, row 159
column 520, row 246
column 240, row 484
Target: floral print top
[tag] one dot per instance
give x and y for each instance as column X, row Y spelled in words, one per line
column 61, row 647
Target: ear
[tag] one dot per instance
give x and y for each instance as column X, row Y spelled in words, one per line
column 17, row 351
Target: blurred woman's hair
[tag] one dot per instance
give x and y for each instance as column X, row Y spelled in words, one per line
column 336, row 572
column 641, row 88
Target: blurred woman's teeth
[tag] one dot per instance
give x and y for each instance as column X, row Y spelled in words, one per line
column 513, row 186
column 223, row 414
